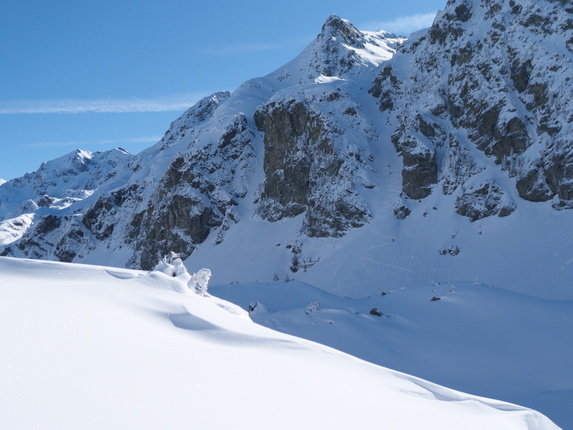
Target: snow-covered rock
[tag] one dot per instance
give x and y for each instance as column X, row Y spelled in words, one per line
column 493, row 76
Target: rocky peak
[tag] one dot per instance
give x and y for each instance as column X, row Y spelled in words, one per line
column 341, row 29
column 340, row 50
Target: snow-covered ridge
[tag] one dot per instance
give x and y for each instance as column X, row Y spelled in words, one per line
column 73, row 176
column 307, row 154
column 126, row 349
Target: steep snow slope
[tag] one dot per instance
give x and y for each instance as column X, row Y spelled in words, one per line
column 95, row 347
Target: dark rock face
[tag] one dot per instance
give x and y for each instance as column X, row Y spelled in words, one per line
column 287, row 168
column 485, row 76
column 302, row 160
column 48, row 224
column 175, row 227
column 420, row 171
column 94, row 219
column 196, row 195
column 484, row 201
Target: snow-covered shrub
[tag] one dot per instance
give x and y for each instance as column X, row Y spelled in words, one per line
column 199, row 281
column 171, row 265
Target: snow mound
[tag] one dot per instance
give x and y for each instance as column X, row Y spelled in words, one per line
column 95, row 347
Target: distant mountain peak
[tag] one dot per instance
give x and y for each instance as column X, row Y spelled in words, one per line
column 342, row 28
column 340, row 50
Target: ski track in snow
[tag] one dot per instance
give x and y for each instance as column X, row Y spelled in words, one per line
column 384, row 229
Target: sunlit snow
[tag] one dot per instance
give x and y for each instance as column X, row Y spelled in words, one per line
column 95, row 347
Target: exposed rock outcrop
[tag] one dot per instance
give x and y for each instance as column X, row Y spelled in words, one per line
column 492, row 75
column 308, row 168
column 486, row 200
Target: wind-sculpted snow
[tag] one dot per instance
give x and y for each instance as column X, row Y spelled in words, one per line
column 98, row 347
column 467, row 336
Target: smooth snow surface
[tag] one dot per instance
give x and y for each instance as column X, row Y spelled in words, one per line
column 467, row 336
column 94, row 347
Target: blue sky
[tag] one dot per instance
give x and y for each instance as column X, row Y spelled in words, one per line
column 98, row 75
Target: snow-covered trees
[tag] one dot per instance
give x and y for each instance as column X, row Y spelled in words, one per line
column 172, row 265
column 199, row 281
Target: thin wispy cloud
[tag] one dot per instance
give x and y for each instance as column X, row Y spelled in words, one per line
column 76, row 106
column 404, row 25
column 85, row 143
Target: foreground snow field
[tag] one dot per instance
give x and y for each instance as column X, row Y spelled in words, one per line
column 468, row 336
column 95, row 347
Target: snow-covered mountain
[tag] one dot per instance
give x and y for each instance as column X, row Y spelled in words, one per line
column 368, row 164
column 95, row 347
column 271, row 149
column 478, row 108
